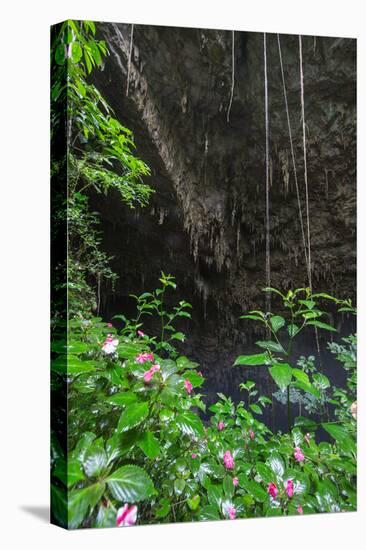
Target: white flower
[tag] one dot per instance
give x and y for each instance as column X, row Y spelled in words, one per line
column 110, row 345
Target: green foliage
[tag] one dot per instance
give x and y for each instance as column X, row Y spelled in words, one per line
column 138, row 439
column 99, row 158
column 303, row 384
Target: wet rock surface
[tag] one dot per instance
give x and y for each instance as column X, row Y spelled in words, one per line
column 206, row 221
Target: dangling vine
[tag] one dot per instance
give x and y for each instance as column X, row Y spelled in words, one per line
column 232, row 74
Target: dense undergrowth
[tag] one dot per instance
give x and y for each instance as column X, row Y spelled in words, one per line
column 137, row 449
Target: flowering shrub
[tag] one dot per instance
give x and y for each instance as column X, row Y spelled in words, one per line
column 140, row 453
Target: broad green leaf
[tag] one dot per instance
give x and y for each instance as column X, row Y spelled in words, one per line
column 60, row 54
column 281, row 374
column 215, row 495
column 130, row 484
column 277, row 322
column 320, row 324
column 122, row 398
column 80, row 501
column 255, row 489
column 276, row 464
column 293, row 330
column 301, row 376
column 308, row 303
column 60, row 346
column 149, row 445
column 297, row 437
column 132, row 416
column 271, row 346
column 326, row 296
column 274, row 290
column 163, row 509
column 106, row 517
column 74, row 472
column 253, row 317
column 128, row 351
column 209, row 513
column 72, row 365
column 195, row 379
column 168, row 367
column 257, row 359
column 194, row 502
column 265, row 472
column 95, row 459
column 178, row 336
column 342, row 436
column 82, row 446
column 171, row 391
column 190, row 424
column 256, row 408
column 184, row 363
column 76, row 52
column 179, row 485
column 321, row 381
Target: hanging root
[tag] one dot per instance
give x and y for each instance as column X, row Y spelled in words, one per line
column 305, row 165
column 129, row 61
column 268, row 251
column 232, row 74
column 294, row 162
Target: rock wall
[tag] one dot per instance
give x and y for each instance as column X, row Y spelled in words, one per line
column 206, row 221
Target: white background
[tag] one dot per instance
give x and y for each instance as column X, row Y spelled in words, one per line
column 24, row 173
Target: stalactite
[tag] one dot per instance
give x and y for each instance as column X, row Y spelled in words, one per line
column 129, row 61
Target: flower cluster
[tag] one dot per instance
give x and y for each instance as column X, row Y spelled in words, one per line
column 150, row 373
column 229, row 462
column 110, row 344
column 144, row 357
column 299, row 455
column 272, row 490
column 188, row 386
column 289, row 488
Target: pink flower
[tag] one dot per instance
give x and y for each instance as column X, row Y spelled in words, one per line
column 232, row 512
column 109, row 325
column 126, row 516
column 251, row 434
column 300, row 510
column 193, row 455
column 235, row 481
column 149, row 373
column 229, row 462
column 140, row 333
column 110, row 345
column 298, row 454
column 220, row 425
column 290, row 488
column 188, row 386
column 272, row 489
column 143, row 357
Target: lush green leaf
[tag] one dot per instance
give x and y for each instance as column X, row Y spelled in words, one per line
column 130, row 484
